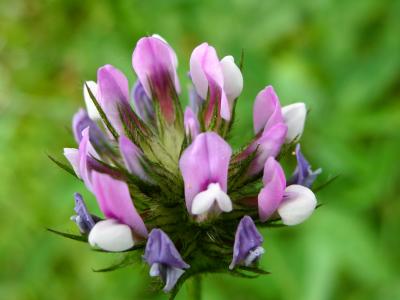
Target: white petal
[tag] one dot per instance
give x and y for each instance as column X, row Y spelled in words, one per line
column 298, row 204
column 155, row 270
column 72, row 155
column 112, row 236
column 90, row 107
column 233, row 79
column 294, row 116
column 224, row 202
column 203, row 202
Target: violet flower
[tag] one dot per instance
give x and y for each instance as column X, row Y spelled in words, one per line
column 247, row 248
column 163, row 258
column 269, row 126
column 271, row 194
column 303, row 173
column 155, row 63
column 142, row 103
column 208, row 79
column 83, row 218
column 204, row 167
column 152, row 167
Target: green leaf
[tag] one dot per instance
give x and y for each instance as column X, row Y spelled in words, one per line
column 75, row 237
column 63, row 166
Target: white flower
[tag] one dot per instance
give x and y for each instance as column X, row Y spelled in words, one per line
column 233, row 79
column 112, row 236
column 294, row 116
column 90, row 107
column 298, row 204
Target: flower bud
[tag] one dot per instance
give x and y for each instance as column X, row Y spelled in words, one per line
column 298, row 204
column 109, row 235
column 294, row 116
column 233, row 79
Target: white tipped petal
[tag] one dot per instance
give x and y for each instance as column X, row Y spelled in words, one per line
column 111, row 236
column 298, row 204
column 233, row 79
column 294, row 116
column 90, row 107
column 72, row 155
column 204, row 201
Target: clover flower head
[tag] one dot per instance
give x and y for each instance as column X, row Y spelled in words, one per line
column 167, row 180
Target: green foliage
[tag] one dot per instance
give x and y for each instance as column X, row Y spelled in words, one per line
column 340, row 57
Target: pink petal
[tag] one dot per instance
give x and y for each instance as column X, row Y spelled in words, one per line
column 271, row 195
column 205, row 161
column 115, row 202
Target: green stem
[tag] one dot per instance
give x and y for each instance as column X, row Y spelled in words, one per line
column 194, row 286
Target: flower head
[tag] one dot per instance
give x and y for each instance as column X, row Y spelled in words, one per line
column 153, row 166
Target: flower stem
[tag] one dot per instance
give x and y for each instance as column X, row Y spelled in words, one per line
column 194, row 286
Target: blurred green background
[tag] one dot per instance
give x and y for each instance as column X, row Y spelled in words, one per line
column 340, row 57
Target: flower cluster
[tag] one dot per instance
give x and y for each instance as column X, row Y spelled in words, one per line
column 167, row 181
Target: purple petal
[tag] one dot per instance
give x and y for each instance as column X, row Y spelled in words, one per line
column 83, row 218
column 115, row 202
column 267, row 110
column 81, row 121
column 160, row 249
column 113, row 91
column 207, row 77
column 303, row 174
column 192, row 126
column 205, row 161
column 247, row 239
column 268, row 145
column 85, row 149
column 132, row 157
column 271, row 194
column 155, row 64
column 142, row 103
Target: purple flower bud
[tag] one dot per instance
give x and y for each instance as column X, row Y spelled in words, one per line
column 208, row 79
column 113, row 92
column 115, row 202
column 132, row 157
column 164, row 259
column 82, row 218
column 303, row 174
column 142, row 103
column 247, row 248
column 271, row 194
column 204, row 167
column 81, row 121
column 155, row 63
column 192, row 126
